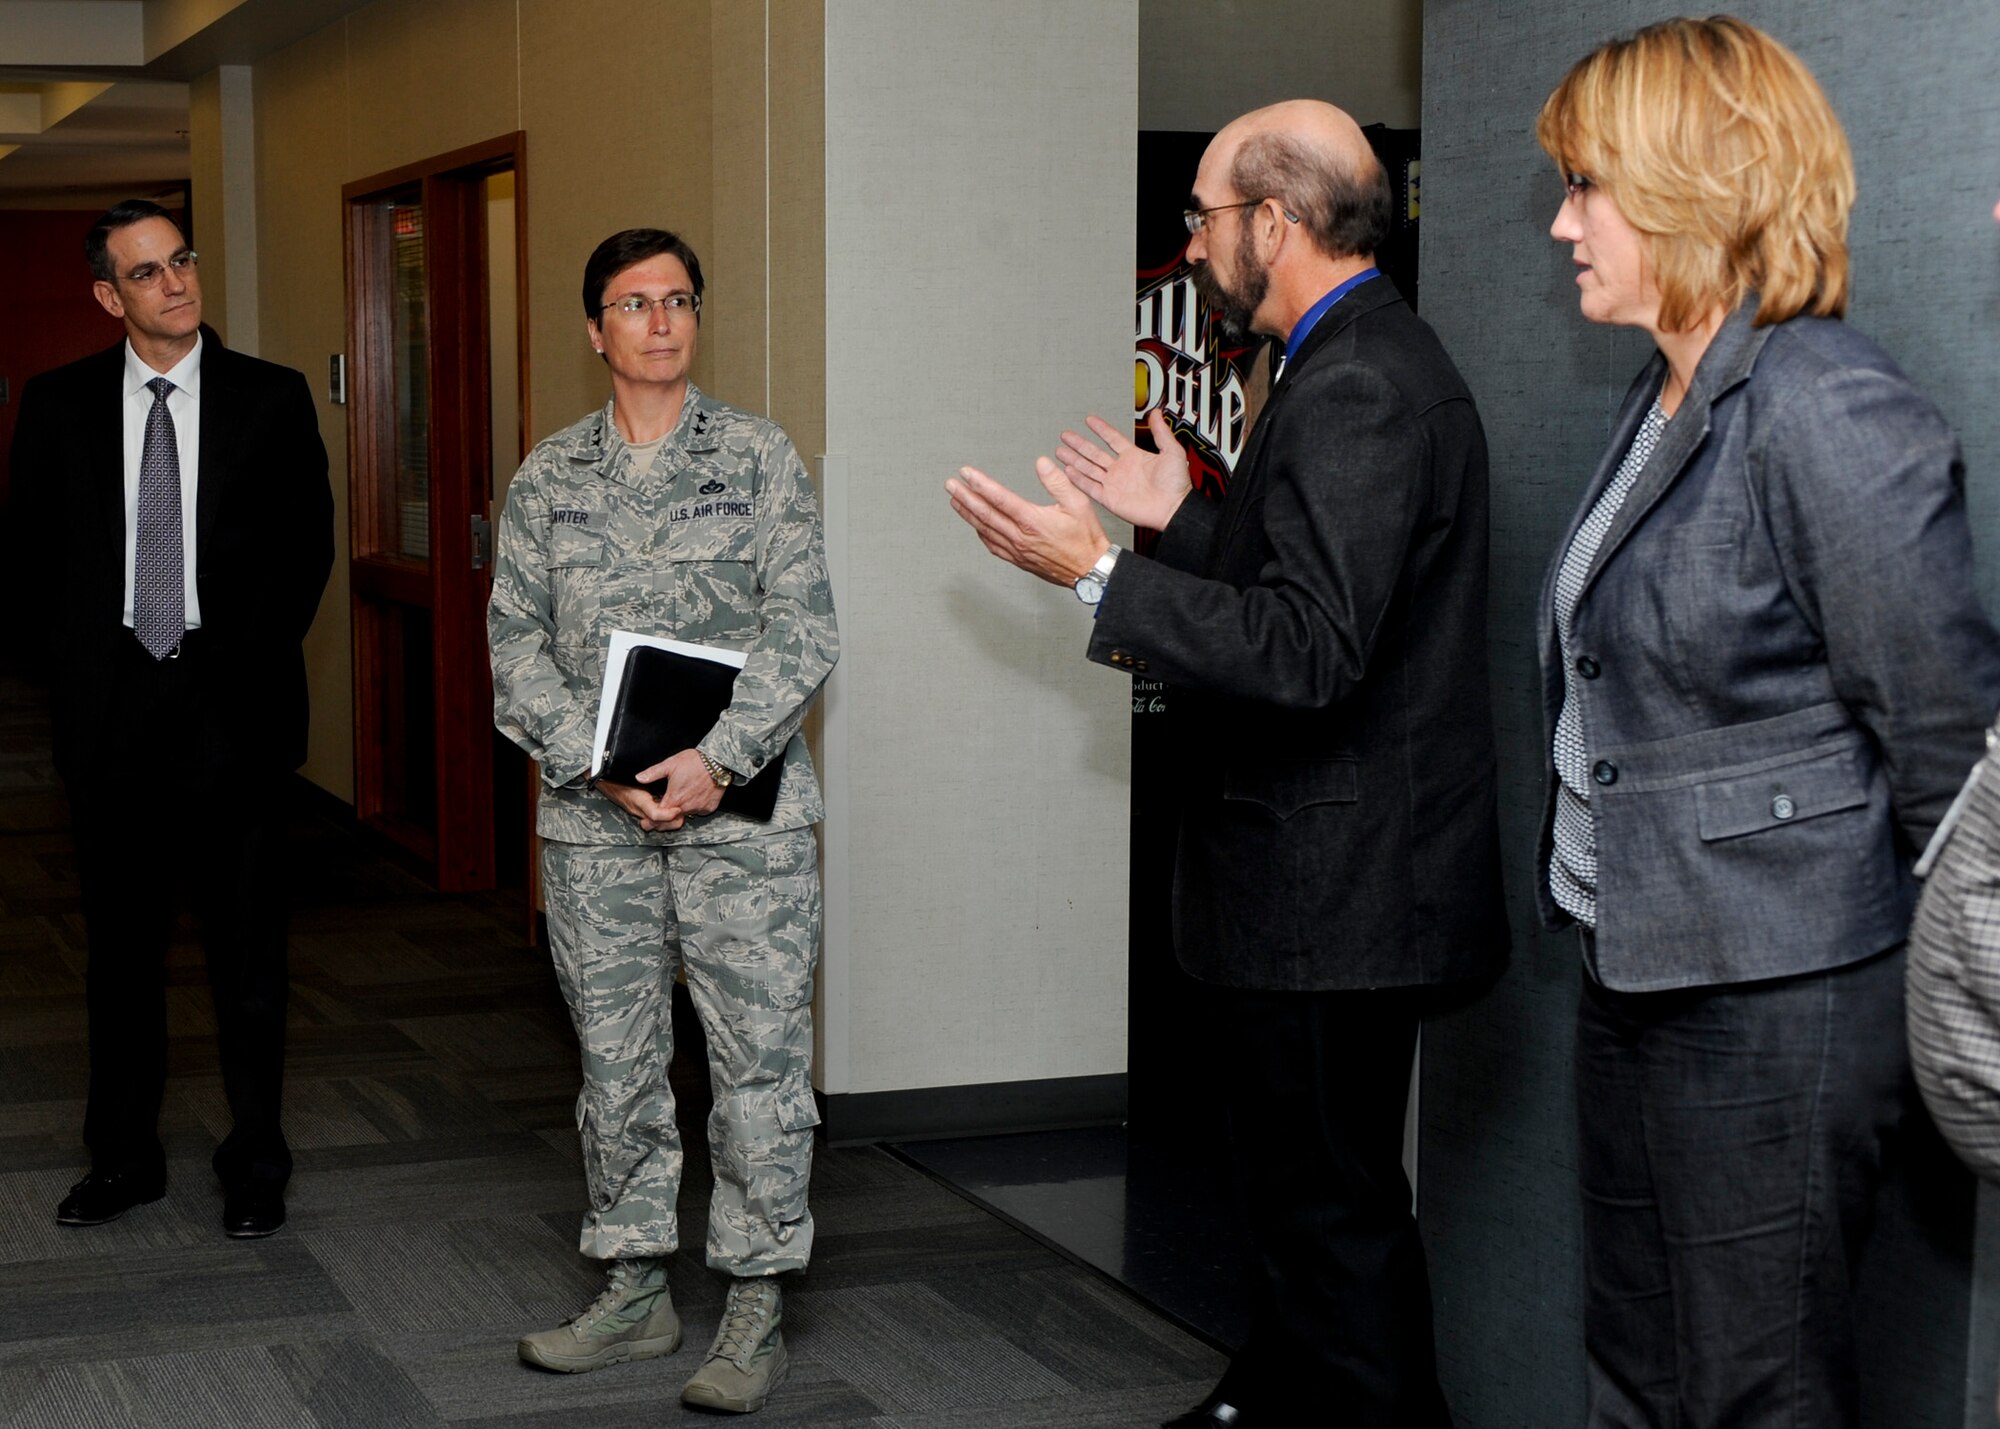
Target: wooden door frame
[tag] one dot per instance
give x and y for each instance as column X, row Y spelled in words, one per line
column 461, row 850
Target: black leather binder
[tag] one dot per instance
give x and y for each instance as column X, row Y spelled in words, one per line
column 665, row 703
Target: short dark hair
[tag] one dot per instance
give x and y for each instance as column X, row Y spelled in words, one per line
column 97, row 242
column 635, row 245
column 1345, row 210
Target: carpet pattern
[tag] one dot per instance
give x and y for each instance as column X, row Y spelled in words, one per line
column 434, row 1207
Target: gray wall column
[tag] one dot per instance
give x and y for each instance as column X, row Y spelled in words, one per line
column 239, row 202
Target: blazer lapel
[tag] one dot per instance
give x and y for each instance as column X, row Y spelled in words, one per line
column 1375, row 293
column 1726, row 363
column 219, row 432
column 1638, row 401
column 1241, row 480
column 1631, row 413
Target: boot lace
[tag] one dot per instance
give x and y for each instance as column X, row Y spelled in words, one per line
column 746, row 1319
column 617, row 1292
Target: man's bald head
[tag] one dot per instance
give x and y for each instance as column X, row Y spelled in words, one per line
column 1315, row 160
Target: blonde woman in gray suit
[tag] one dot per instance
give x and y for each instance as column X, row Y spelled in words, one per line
column 1765, row 673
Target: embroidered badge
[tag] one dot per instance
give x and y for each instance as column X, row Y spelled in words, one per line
column 707, row 510
column 588, row 520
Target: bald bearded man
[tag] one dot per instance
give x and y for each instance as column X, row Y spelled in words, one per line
column 1324, row 627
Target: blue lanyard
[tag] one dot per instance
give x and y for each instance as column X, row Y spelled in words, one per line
column 1302, row 329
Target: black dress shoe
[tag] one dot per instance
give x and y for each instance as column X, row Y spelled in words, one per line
column 249, row 1212
column 1213, row 1412
column 106, row 1195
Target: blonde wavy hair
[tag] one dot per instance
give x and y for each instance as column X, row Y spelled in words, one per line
column 1717, row 144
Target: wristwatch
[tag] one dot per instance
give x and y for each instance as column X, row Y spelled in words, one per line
column 1090, row 585
column 723, row 777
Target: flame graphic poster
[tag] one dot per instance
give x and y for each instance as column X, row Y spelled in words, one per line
column 1208, row 387
column 1209, row 391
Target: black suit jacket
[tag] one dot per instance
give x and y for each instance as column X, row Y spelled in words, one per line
column 1324, row 629
column 264, row 547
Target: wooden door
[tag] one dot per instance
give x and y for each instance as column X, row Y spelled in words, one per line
column 422, row 444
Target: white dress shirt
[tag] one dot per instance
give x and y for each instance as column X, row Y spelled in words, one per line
column 184, row 405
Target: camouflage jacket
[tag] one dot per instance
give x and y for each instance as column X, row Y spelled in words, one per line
column 719, row 542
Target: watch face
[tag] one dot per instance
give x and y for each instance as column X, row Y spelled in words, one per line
column 1090, row 590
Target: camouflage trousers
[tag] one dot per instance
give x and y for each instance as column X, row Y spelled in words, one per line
column 745, row 918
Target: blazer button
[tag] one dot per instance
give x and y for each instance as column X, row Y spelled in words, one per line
column 1782, row 807
column 1139, row 665
column 1604, row 772
column 1586, row 667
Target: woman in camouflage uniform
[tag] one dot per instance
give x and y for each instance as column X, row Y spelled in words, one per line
column 670, row 513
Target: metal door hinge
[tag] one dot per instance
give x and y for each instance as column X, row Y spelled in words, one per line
column 482, row 543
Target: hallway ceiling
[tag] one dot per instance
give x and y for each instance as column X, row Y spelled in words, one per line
column 94, row 93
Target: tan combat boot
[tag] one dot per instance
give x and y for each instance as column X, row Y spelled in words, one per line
column 748, row 1357
column 633, row 1319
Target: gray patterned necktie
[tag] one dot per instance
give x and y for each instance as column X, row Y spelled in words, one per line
column 159, row 598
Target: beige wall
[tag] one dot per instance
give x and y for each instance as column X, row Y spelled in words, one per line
column 302, row 96
column 607, row 151
column 796, row 182
column 402, row 80
column 1203, row 62
column 764, row 322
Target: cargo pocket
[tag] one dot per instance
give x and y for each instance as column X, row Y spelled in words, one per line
column 796, row 1108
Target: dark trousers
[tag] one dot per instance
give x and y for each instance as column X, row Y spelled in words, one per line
column 1340, row 1315
column 162, row 820
column 1731, row 1142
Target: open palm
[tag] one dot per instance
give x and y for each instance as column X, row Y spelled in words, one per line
column 1133, row 484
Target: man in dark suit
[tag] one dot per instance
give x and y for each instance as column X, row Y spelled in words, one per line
column 174, row 530
column 1324, row 627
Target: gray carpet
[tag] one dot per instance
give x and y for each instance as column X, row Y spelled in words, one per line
column 434, row 1207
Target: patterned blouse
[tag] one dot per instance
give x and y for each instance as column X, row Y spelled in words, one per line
column 1573, row 864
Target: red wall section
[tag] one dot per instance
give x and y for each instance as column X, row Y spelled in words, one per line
column 47, row 316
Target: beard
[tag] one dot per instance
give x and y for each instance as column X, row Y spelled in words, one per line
column 1234, row 305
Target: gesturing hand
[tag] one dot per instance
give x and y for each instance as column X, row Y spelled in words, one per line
column 1058, row 543
column 1145, row 488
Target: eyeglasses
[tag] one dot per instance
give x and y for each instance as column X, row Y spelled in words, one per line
column 1574, row 184
column 633, row 305
column 1196, row 219
column 147, row 274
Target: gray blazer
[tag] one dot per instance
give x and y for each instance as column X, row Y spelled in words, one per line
column 1790, row 673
